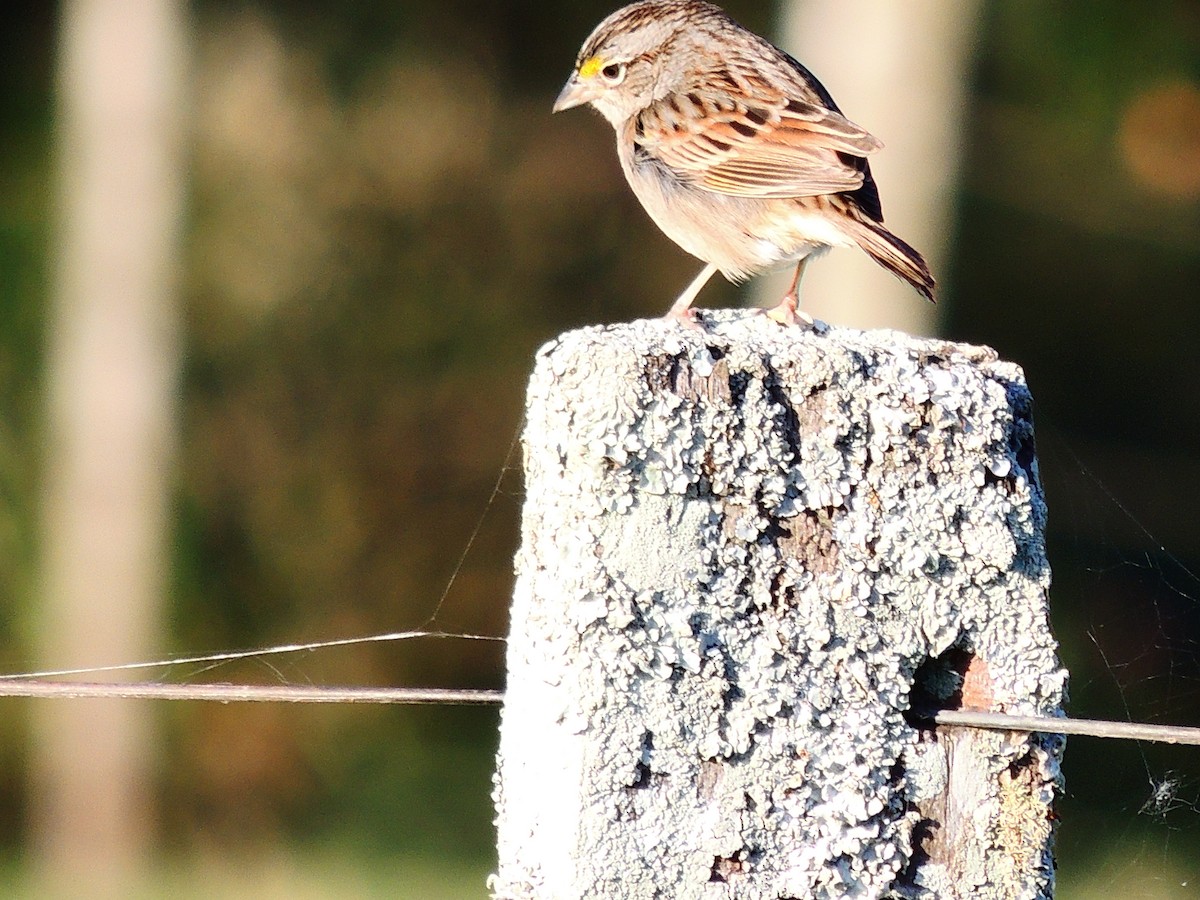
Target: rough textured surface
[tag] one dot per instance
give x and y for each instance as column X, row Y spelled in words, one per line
column 745, row 553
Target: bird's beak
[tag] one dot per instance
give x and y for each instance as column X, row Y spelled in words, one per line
column 575, row 92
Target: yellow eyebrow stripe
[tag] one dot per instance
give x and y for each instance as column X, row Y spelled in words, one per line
column 591, row 66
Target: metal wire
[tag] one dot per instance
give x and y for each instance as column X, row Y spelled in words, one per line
column 267, row 693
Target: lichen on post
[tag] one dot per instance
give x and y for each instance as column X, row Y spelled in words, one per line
column 747, row 552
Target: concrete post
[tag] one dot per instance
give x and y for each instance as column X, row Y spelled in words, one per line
column 746, row 552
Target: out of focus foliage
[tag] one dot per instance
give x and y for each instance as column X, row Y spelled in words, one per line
column 385, row 224
column 1078, row 256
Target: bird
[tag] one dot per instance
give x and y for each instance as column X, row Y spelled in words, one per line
column 735, row 150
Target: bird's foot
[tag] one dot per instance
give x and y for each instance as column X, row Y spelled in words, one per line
column 687, row 317
column 788, row 312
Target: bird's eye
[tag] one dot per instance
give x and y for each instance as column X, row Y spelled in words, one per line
column 613, row 72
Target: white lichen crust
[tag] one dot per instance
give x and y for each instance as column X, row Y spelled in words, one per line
column 740, row 546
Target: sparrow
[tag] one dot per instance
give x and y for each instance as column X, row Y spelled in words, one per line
column 735, row 150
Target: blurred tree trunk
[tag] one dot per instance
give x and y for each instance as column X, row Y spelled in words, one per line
column 898, row 68
column 111, row 377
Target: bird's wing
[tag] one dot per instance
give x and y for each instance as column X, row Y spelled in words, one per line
column 748, row 139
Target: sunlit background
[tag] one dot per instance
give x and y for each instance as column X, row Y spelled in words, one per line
column 372, row 222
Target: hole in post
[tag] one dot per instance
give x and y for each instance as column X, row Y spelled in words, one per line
column 957, row 679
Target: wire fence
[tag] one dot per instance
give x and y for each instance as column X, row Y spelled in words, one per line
column 47, row 685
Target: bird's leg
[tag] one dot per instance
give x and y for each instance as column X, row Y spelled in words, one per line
column 788, row 312
column 681, row 309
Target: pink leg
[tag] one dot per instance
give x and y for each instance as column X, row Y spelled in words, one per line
column 681, row 309
column 788, row 311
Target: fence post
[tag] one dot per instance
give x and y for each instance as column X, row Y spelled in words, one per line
column 746, row 552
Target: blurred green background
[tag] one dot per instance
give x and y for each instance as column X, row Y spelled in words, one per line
column 384, row 223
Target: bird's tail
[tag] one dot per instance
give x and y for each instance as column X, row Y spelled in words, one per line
column 894, row 255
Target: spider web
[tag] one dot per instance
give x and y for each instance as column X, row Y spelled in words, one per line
column 1126, row 610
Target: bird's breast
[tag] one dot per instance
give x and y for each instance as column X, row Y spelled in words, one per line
column 741, row 236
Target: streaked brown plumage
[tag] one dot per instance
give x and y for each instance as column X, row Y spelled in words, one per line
column 735, row 150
